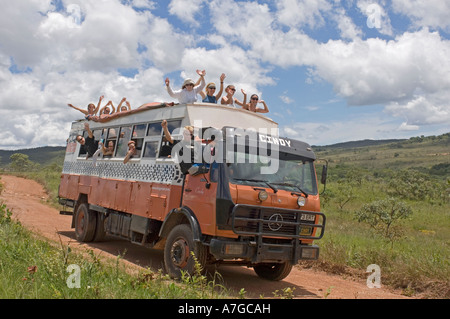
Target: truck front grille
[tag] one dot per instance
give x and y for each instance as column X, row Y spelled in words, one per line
column 276, row 222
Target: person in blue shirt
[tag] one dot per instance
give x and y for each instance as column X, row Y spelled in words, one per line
column 208, row 96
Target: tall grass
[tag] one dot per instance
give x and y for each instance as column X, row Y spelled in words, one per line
column 32, row 268
column 417, row 262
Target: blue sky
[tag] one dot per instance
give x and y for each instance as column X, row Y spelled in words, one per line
column 330, row 71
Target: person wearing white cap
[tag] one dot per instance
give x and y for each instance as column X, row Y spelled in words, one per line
column 188, row 93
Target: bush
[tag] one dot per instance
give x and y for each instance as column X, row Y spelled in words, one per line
column 383, row 216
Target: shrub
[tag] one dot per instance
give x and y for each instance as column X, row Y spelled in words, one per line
column 383, row 216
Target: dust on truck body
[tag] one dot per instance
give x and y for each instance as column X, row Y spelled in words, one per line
column 252, row 198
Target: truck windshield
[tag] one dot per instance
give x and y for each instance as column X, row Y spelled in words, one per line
column 293, row 174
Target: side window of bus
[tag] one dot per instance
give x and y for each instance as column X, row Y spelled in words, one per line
column 122, row 142
column 138, row 137
column 166, row 147
column 154, row 134
column 82, row 152
column 97, row 137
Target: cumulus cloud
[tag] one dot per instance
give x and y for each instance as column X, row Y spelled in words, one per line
column 425, row 13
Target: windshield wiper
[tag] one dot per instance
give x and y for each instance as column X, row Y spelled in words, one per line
column 292, row 185
column 258, row 181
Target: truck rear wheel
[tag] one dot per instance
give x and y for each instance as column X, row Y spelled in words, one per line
column 178, row 251
column 85, row 223
column 275, row 271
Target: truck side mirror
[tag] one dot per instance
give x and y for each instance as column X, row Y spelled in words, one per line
column 323, row 179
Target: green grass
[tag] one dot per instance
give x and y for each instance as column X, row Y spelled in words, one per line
column 417, row 262
column 33, row 268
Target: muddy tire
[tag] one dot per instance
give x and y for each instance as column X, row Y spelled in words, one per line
column 85, row 223
column 178, row 252
column 273, row 271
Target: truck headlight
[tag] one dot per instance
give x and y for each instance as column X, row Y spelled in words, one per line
column 301, row 201
column 262, row 196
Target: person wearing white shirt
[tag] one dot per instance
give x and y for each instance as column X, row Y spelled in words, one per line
column 188, row 93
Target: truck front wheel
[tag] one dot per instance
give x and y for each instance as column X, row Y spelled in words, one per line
column 275, row 271
column 178, row 251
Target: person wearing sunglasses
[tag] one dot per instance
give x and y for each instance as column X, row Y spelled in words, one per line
column 252, row 105
column 188, row 93
column 88, row 145
column 208, row 96
column 229, row 98
column 91, row 109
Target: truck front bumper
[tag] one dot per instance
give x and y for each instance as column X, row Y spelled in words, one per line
column 255, row 253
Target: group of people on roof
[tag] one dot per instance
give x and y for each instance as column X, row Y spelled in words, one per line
column 190, row 90
column 92, row 110
column 188, row 94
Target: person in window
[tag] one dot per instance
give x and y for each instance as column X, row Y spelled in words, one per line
column 109, row 150
column 88, row 145
column 188, row 93
column 251, row 106
column 91, row 109
column 131, row 151
column 208, row 96
column 182, row 150
column 229, row 98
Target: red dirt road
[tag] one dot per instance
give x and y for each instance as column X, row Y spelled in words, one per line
column 26, row 200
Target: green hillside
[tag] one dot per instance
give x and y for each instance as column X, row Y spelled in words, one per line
column 41, row 155
column 429, row 155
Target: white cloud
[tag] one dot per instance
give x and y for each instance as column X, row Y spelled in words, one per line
column 377, row 16
column 425, row 13
column 298, row 13
column 186, row 10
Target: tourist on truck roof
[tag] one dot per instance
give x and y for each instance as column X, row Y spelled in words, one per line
column 252, row 105
column 229, row 99
column 91, row 109
column 106, row 110
column 208, row 96
column 120, row 107
column 188, row 93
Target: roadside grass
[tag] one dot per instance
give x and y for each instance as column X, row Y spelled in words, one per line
column 417, row 262
column 33, row 268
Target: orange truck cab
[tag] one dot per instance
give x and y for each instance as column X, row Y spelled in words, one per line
column 246, row 197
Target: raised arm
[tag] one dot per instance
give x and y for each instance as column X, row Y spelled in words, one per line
column 120, row 104
column 98, row 104
column 166, row 132
column 219, row 94
column 265, row 110
column 88, row 129
column 244, row 103
column 81, row 110
column 200, row 87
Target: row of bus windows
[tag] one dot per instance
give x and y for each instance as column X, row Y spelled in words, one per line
column 148, row 138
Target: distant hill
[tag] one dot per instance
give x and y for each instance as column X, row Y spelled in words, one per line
column 41, row 155
column 361, row 143
column 430, row 155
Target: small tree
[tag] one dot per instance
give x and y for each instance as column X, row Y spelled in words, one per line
column 384, row 215
column 20, row 162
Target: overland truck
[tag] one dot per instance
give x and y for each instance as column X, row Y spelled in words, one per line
column 247, row 197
